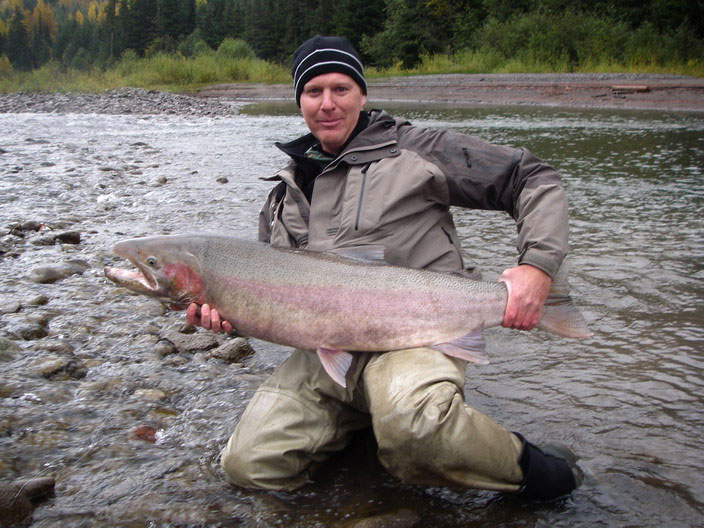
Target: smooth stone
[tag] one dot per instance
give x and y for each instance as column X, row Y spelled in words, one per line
column 56, row 272
column 18, row 499
column 233, row 350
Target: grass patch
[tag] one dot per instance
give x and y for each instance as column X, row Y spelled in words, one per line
column 176, row 73
column 170, row 72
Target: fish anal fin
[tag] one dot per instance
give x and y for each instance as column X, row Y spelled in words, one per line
column 336, row 363
column 470, row 347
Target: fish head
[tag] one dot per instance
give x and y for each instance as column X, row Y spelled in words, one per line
column 166, row 269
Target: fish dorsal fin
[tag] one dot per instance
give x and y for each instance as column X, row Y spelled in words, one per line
column 373, row 254
column 336, row 363
column 470, row 347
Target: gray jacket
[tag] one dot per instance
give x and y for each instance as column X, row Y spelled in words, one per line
column 393, row 185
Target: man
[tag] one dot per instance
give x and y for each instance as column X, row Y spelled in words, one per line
column 365, row 178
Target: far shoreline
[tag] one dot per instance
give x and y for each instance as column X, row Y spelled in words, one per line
column 579, row 90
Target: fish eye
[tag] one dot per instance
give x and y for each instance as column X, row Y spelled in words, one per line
column 151, row 261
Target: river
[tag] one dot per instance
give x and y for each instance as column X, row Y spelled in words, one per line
column 629, row 400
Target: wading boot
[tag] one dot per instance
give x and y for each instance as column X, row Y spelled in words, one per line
column 549, row 472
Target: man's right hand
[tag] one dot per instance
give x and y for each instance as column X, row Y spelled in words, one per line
column 207, row 317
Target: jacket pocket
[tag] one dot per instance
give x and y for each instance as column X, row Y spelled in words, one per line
column 362, row 193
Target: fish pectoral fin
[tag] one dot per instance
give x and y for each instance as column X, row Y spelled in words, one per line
column 470, row 347
column 336, row 363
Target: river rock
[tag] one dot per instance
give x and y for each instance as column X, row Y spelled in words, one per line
column 151, row 308
column 39, row 300
column 186, row 343
column 150, row 394
column 58, row 367
column 18, row 499
column 233, row 350
column 9, row 306
column 69, row 237
column 27, row 329
column 56, row 272
column 165, row 348
column 403, row 518
column 8, row 349
column 66, row 237
column 31, row 225
column 143, row 432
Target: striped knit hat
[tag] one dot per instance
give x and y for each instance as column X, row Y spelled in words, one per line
column 320, row 55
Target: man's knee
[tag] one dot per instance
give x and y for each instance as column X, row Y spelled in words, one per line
column 412, row 433
column 249, row 468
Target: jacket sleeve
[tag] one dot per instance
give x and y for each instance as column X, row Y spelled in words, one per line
column 481, row 175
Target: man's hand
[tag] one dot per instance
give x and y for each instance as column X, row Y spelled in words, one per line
column 528, row 288
column 208, row 318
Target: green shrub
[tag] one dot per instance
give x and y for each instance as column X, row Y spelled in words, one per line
column 235, row 49
column 82, row 60
column 194, row 45
column 165, row 44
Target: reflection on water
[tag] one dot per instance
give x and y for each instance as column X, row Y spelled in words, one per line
column 629, row 400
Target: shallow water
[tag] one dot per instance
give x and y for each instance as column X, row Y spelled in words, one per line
column 629, row 400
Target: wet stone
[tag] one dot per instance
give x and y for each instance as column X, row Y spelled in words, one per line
column 56, row 272
column 143, row 432
column 27, row 330
column 18, row 499
column 39, row 300
column 233, row 350
column 403, row 518
column 44, row 240
column 9, row 307
column 8, row 349
column 53, row 367
column 175, row 360
column 150, row 394
column 152, row 308
column 31, row 225
column 69, row 237
column 189, row 343
column 164, row 348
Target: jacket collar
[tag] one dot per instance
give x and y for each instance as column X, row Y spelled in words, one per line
column 375, row 142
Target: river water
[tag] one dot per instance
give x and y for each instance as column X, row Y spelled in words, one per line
column 629, row 400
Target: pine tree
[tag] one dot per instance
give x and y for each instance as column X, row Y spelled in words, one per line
column 142, row 25
column 19, row 49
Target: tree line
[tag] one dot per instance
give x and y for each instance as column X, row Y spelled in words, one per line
column 84, row 34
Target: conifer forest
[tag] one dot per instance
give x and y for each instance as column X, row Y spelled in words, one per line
column 91, row 34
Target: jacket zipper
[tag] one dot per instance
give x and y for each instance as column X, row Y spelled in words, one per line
column 361, row 196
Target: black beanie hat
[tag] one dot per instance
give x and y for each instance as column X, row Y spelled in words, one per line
column 320, row 55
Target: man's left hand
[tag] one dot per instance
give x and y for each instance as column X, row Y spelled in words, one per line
column 528, row 288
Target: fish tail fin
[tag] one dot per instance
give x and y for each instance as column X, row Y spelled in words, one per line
column 560, row 316
column 470, row 347
column 336, row 363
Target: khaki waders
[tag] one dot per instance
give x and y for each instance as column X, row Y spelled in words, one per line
column 414, row 401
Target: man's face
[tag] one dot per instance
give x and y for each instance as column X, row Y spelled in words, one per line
column 330, row 104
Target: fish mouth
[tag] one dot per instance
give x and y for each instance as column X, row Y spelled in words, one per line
column 142, row 280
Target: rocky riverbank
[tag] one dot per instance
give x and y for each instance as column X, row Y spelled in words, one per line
column 120, row 101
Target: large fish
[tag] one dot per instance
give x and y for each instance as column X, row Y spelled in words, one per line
column 331, row 303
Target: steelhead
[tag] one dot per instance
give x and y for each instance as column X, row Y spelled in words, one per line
column 332, row 303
